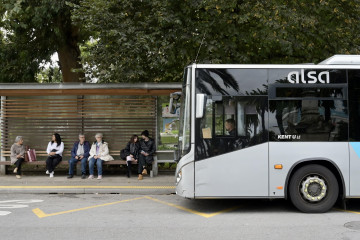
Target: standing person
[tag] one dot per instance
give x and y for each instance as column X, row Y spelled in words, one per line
column 54, row 149
column 132, row 153
column 18, row 155
column 99, row 152
column 79, row 152
column 147, row 150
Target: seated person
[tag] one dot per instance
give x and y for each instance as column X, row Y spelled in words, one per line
column 79, row 152
column 147, row 150
column 230, row 127
column 54, row 149
column 99, row 153
column 18, row 155
column 132, row 151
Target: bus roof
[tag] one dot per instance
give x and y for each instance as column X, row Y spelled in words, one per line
column 334, row 62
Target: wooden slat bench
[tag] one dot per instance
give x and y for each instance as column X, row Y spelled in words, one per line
column 66, row 157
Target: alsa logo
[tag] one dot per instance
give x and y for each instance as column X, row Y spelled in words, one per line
column 311, row 77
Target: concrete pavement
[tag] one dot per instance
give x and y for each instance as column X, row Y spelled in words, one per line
column 164, row 183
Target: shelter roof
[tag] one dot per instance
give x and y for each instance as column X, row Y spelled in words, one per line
column 42, row 89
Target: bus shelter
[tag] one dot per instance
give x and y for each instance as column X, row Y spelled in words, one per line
column 36, row 111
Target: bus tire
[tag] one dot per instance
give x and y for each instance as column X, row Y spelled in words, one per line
column 313, row 189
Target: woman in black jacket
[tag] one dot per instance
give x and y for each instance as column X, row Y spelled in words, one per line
column 132, row 151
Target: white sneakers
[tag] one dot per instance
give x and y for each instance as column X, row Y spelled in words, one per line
column 92, row 177
column 47, row 172
column 52, row 174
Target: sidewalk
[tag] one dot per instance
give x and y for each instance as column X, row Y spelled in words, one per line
column 161, row 184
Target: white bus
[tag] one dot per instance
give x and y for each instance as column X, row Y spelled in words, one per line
column 271, row 131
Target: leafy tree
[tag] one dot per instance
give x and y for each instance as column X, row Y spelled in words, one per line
column 35, row 30
column 152, row 40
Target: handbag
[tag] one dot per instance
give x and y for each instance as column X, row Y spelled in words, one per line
column 31, row 154
column 123, row 154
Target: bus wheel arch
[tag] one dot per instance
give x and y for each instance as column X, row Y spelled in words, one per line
column 324, row 165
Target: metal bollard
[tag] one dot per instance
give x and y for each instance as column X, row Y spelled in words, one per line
column 151, row 173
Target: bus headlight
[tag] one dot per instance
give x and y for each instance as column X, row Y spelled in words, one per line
column 179, row 176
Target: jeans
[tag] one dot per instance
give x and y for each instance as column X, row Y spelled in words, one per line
column 18, row 165
column 98, row 162
column 73, row 162
column 52, row 162
column 143, row 161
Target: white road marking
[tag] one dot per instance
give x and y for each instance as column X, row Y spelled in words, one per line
column 4, row 213
column 16, row 204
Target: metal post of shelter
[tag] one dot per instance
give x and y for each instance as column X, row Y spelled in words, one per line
column 2, row 158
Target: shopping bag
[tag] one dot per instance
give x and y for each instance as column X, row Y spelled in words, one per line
column 31, row 153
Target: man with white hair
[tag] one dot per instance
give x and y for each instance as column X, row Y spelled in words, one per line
column 79, row 152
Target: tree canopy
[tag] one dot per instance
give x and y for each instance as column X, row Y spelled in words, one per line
column 34, row 31
column 153, row 40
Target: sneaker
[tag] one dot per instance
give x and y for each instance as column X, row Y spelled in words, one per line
column 15, row 170
column 99, row 177
column 52, row 174
column 83, row 176
column 140, row 177
column 70, row 176
column 91, row 177
column 47, row 172
column 18, row 176
column 144, row 172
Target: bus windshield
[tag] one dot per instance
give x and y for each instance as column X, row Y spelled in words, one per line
column 184, row 131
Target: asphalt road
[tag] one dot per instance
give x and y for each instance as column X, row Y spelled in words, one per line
column 154, row 217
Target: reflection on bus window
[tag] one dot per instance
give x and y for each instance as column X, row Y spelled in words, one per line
column 231, row 123
column 308, row 120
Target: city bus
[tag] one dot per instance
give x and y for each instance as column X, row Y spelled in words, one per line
column 271, row 131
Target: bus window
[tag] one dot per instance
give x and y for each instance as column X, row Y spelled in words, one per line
column 308, row 120
column 231, row 123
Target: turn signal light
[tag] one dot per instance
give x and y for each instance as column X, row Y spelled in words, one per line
column 278, row 166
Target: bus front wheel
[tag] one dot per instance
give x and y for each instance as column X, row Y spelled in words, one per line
column 313, row 189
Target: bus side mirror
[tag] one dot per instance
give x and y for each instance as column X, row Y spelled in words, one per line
column 200, row 105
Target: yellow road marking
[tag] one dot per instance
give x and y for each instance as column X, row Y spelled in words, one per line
column 206, row 215
column 348, row 211
column 38, row 212
column 102, row 187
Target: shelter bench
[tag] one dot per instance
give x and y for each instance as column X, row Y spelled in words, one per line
column 66, row 157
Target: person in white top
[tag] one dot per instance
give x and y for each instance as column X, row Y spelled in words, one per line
column 99, row 153
column 54, row 149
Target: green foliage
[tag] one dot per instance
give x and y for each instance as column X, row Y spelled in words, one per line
column 49, row 75
column 34, row 31
column 152, row 40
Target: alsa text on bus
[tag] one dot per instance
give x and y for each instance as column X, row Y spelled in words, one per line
column 311, row 77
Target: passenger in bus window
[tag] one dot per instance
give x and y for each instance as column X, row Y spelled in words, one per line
column 230, row 127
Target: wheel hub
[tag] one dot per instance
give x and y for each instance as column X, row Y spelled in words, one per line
column 313, row 188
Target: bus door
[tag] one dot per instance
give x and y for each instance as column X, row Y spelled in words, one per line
column 231, row 147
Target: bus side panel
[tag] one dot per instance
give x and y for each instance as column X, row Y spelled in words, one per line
column 289, row 153
column 354, row 169
column 242, row 173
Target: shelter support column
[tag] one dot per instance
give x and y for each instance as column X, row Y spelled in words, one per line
column 2, row 118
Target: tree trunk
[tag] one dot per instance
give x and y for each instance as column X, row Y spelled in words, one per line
column 69, row 58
